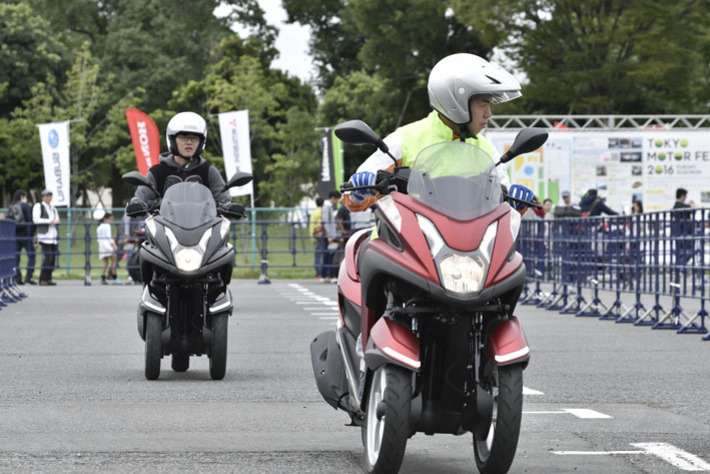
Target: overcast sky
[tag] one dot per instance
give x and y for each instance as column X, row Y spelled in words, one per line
column 292, row 41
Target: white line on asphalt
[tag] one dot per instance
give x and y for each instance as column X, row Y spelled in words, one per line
column 529, row 391
column 595, row 453
column 675, row 456
column 578, row 412
column 324, row 314
column 328, row 318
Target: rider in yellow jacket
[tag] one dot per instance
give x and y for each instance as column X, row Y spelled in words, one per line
column 461, row 89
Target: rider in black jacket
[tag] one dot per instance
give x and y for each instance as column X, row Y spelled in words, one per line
column 185, row 136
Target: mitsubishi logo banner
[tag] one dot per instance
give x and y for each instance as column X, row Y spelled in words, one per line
column 54, row 139
column 621, row 165
column 146, row 139
column 236, row 147
column 331, row 167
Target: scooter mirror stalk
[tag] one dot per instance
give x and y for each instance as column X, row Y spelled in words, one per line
column 357, row 132
column 527, row 140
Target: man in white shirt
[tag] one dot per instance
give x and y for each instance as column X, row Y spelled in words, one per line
column 46, row 217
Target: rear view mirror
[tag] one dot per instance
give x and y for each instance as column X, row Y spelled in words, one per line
column 357, row 132
column 135, row 178
column 528, row 139
column 239, row 179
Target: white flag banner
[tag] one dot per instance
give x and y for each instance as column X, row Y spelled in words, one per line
column 54, row 138
column 234, row 130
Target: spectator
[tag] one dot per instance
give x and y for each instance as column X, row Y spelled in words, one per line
column 547, row 207
column 637, row 207
column 21, row 212
column 46, row 217
column 567, row 209
column 682, row 226
column 315, row 228
column 107, row 249
column 680, row 196
column 331, row 235
column 593, row 205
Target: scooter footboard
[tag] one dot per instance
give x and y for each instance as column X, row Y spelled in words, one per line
column 329, row 370
column 506, row 343
column 392, row 343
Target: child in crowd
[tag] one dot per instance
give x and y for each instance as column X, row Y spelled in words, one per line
column 107, row 249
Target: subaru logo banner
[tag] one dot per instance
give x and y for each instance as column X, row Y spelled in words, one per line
column 54, row 139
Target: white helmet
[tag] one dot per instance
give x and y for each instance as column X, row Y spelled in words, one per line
column 186, row 122
column 457, row 78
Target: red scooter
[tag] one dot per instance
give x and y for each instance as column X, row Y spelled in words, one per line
column 427, row 340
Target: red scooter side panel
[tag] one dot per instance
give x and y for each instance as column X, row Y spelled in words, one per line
column 348, row 278
column 507, row 344
column 501, row 249
column 397, row 342
column 508, row 269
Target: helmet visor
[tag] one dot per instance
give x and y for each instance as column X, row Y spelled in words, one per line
column 504, row 96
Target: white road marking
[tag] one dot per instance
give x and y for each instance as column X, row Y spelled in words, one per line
column 578, row 412
column 329, row 318
column 675, row 456
column 324, row 314
column 529, row 391
column 683, row 460
column 585, row 413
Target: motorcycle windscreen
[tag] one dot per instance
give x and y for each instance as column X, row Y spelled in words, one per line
column 188, row 205
column 457, row 179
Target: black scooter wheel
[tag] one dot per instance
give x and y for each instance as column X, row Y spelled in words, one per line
column 153, row 345
column 495, row 453
column 386, row 427
column 218, row 352
column 180, row 362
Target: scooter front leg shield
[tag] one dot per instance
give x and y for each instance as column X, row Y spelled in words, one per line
column 506, row 344
column 392, row 343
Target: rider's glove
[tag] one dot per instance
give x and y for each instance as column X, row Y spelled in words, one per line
column 232, row 209
column 136, row 207
column 363, row 178
column 519, row 192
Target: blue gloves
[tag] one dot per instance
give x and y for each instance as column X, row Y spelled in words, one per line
column 363, row 178
column 519, row 192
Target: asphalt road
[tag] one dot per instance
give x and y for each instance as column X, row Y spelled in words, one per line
column 601, row 397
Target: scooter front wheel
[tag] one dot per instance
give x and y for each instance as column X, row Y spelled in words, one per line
column 218, row 351
column 153, row 345
column 386, row 427
column 495, row 453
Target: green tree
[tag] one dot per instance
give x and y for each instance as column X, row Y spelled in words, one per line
column 29, row 52
column 602, row 56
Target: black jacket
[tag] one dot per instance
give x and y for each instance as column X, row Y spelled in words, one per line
column 168, row 171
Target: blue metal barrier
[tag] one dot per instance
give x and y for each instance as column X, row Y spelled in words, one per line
column 9, row 292
column 661, row 254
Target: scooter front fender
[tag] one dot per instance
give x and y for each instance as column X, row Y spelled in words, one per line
column 392, row 343
column 506, row 343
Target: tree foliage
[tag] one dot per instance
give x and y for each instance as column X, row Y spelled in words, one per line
column 602, row 56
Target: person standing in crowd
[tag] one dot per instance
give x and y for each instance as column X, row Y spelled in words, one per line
column 331, row 235
column 46, row 217
column 593, row 205
column 21, row 212
column 107, row 249
column 681, row 195
column 315, row 228
column 567, row 209
column 637, row 207
column 682, row 226
column 547, row 207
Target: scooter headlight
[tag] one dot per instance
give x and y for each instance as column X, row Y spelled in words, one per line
column 389, row 208
column 224, row 228
column 514, row 223
column 464, row 274
column 188, row 259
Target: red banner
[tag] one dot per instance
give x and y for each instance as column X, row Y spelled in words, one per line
column 146, row 139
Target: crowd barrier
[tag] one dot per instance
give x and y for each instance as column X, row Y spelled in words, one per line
column 9, row 291
column 664, row 256
column 661, row 256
